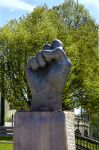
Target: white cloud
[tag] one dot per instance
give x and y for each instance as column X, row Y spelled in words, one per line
column 16, row 4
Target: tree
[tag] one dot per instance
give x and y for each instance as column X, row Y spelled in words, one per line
column 73, row 14
column 81, row 43
column 24, row 38
column 84, row 83
column 21, row 40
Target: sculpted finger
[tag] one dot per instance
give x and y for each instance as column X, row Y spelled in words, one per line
column 40, row 60
column 56, row 54
column 57, row 43
column 47, row 47
column 33, row 64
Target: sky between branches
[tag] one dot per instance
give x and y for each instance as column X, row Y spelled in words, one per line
column 11, row 9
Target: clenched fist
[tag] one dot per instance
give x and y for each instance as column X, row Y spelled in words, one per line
column 46, row 74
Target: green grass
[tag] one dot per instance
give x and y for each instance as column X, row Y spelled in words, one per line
column 6, row 146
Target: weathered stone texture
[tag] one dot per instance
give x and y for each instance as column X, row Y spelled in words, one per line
column 70, row 130
column 44, row 131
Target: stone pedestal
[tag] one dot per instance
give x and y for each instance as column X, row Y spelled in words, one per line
column 44, row 131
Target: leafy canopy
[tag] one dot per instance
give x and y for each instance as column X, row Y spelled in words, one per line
column 21, row 39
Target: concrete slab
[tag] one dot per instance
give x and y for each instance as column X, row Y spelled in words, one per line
column 44, row 131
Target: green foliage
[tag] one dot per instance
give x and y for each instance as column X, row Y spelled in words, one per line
column 94, row 125
column 20, row 40
column 73, row 14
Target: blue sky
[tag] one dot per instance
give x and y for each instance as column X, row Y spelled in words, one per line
column 11, row 9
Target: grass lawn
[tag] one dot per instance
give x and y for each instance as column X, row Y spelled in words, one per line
column 6, row 146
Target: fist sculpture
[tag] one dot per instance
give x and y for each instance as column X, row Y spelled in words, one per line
column 46, row 74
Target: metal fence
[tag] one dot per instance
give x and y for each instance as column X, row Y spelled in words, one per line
column 86, row 143
column 6, row 135
column 6, row 131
